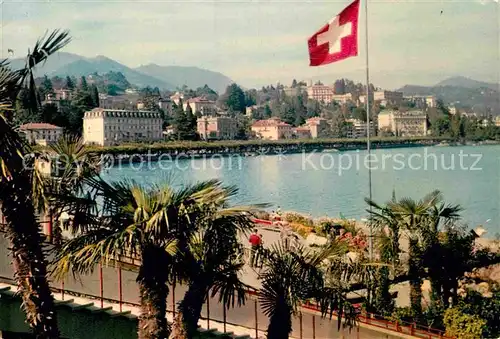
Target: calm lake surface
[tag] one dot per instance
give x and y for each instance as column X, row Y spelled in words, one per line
column 336, row 183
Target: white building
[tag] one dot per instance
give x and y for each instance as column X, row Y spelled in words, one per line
column 41, row 133
column 422, row 101
column 321, row 93
column 388, row 97
column 202, row 105
column 110, row 127
column 217, row 127
column 405, row 124
column 358, row 128
column 177, row 98
column 342, row 98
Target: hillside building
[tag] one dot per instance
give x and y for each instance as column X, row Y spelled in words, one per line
column 318, row 127
column 321, row 93
column 218, row 128
column 41, row 133
column 358, row 128
column 272, row 129
column 388, row 97
column 202, row 105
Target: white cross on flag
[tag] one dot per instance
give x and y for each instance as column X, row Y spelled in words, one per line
column 338, row 39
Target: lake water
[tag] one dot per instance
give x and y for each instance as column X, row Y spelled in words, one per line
column 331, row 184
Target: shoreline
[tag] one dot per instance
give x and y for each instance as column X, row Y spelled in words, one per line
column 200, row 149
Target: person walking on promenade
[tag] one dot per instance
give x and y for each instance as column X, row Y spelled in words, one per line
column 260, row 253
column 254, row 241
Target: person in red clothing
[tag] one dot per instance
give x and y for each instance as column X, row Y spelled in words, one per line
column 255, row 242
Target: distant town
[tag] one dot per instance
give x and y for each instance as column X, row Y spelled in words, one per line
column 107, row 111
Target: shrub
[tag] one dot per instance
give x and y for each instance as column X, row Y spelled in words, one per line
column 297, row 218
column 402, row 315
column 463, row 326
column 301, row 230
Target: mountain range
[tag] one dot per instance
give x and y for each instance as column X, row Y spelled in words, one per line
column 459, row 90
column 164, row 77
column 462, row 92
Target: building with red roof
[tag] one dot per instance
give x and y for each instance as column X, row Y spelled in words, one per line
column 272, row 129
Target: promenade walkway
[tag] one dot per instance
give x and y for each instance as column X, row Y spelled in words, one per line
column 119, row 291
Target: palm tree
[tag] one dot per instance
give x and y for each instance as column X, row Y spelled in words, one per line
column 22, row 228
column 151, row 223
column 441, row 216
column 292, row 275
column 213, row 262
column 388, row 231
column 71, row 163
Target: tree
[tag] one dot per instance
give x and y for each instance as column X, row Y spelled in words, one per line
column 46, row 87
column 22, row 228
column 292, row 274
column 83, row 84
column 153, row 223
column 192, row 123
column 95, row 95
column 267, row 112
column 359, row 113
column 185, row 123
column 213, row 263
column 234, row 98
column 81, row 103
column 69, row 83
column 207, row 93
column 339, row 126
column 340, row 86
column 463, row 326
column 250, row 98
column 313, row 108
column 25, row 110
column 243, row 126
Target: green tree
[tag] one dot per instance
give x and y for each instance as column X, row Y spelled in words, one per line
column 313, row 108
column 185, row 123
column 339, row 126
column 234, row 98
column 83, row 84
column 81, row 103
column 359, row 113
column 463, row 326
column 291, row 276
column 155, row 223
column 70, row 83
column 213, row 263
column 46, row 87
column 95, row 96
column 207, row 93
column 22, row 228
column 250, row 98
column 267, row 112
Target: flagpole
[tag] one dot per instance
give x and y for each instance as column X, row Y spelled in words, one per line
column 368, row 146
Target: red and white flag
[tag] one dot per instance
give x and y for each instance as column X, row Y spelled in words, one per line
column 338, row 39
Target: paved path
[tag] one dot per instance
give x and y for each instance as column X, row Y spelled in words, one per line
column 243, row 316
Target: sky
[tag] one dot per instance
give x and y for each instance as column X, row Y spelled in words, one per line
column 263, row 42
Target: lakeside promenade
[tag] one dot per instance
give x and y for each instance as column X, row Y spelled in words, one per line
column 122, row 287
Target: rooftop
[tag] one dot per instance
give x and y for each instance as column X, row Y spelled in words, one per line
column 199, row 99
column 270, row 123
column 38, row 125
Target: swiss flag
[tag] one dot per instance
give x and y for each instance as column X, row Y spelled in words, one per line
column 338, row 39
